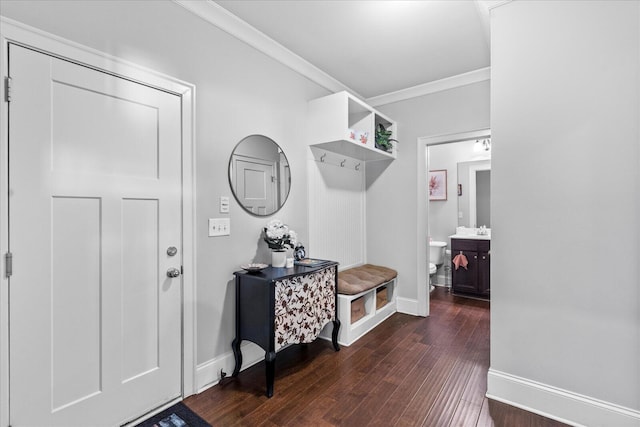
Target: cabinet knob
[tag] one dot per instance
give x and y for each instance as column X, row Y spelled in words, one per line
column 484, row 257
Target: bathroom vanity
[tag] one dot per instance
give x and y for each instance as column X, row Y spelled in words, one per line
column 474, row 279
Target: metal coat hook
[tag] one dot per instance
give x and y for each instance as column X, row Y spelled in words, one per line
column 322, row 157
column 358, row 167
column 342, row 163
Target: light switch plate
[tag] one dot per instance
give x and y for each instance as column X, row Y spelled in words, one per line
column 224, row 204
column 219, row 227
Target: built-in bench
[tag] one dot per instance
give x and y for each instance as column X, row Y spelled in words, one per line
column 366, row 297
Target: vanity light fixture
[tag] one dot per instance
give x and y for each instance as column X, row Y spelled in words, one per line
column 482, row 145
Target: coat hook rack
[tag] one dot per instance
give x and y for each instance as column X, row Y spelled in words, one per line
column 342, row 163
column 322, row 157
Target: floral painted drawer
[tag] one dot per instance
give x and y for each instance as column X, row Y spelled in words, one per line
column 303, row 305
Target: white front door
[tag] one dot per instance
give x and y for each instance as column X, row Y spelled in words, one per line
column 94, row 204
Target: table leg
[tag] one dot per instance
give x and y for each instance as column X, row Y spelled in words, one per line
column 334, row 334
column 237, row 354
column 270, row 362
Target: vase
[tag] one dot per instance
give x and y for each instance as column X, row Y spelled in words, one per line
column 278, row 258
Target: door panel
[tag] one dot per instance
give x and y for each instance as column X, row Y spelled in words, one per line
column 139, row 295
column 95, row 200
column 109, row 136
column 75, row 276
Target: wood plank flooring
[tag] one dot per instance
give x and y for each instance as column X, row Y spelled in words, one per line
column 409, row 371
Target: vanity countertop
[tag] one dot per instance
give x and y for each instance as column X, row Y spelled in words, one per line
column 471, row 236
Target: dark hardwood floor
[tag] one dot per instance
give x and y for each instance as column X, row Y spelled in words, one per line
column 409, row 371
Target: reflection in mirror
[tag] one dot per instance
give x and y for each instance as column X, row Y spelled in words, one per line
column 474, row 182
column 259, row 175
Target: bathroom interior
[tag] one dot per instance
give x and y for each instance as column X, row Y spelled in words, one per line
column 459, row 212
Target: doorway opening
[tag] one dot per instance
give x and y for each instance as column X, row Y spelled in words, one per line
column 458, row 164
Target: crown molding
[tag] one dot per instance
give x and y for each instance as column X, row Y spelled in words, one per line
column 497, row 3
column 464, row 79
column 236, row 27
column 220, row 17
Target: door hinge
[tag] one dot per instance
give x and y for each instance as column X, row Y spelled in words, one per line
column 8, row 264
column 7, row 89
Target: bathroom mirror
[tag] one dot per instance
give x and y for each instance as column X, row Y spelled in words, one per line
column 474, row 193
column 259, row 175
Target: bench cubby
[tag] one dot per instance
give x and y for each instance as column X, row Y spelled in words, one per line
column 374, row 313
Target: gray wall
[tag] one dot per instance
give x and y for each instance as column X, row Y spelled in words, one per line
column 565, row 91
column 393, row 197
column 239, row 92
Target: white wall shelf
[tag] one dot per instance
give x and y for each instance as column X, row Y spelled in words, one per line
column 345, row 125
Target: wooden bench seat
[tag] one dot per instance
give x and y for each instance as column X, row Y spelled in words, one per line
column 362, row 278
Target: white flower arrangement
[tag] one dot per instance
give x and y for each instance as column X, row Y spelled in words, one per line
column 278, row 235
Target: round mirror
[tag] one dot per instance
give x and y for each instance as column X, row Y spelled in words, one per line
column 259, row 175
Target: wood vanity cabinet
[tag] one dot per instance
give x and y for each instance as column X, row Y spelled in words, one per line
column 474, row 280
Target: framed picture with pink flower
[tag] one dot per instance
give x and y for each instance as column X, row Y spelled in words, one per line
column 438, row 184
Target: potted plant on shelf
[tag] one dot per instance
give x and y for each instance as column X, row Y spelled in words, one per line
column 384, row 141
column 279, row 238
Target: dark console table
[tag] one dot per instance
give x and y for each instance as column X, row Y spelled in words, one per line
column 281, row 306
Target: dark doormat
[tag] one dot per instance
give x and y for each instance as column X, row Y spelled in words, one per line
column 178, row 415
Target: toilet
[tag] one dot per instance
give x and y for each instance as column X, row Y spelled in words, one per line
column 436, row 258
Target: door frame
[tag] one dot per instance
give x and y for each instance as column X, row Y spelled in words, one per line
column 422, row 155
column 17, row 33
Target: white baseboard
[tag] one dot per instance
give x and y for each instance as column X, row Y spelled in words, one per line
column 407, row 306
column 208, row 373
column 558, row 404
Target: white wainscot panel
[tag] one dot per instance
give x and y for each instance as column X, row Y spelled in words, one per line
column 337, row 209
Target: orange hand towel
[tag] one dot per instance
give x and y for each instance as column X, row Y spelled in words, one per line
column 460, row 260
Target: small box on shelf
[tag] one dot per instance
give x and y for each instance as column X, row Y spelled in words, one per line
column 358, row 310
column 381, row 297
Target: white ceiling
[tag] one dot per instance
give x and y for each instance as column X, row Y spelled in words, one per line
column 376, row 47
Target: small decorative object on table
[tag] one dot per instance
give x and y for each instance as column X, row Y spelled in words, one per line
column 278, row 258
column 253, row 268
column 299, row 252
column 279, row 238
column 311, row 262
